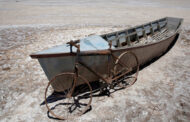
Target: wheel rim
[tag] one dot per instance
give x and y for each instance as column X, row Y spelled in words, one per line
column 70, row 103
column 125, row 66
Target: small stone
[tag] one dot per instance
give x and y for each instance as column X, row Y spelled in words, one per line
column 6, row 67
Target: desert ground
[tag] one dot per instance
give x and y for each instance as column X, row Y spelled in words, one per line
column 161, row 93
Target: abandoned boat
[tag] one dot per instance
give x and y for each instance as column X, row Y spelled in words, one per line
column 108, row 58
column 146, row 41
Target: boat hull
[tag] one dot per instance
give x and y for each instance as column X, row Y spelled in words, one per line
column 99, row 62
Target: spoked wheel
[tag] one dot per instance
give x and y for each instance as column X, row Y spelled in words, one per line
column 70, row 101
column 127, row 63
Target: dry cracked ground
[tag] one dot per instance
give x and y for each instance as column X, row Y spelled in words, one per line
column 161, row 93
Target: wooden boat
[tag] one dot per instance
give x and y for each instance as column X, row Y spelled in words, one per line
column 106, row 56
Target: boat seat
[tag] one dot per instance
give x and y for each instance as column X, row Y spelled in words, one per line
column 94, row 42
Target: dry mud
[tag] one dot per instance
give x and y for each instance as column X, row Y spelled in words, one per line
column 161, row 93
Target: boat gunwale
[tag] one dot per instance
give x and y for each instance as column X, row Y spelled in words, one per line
column 107, row 51
column 99, row 52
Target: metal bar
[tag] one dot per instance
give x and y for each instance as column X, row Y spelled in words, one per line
column 151, row 29
column 158, row 26
column 121, row 63
column 115, row 78
column 137, row 36
column 128, row 38
column 144, row 32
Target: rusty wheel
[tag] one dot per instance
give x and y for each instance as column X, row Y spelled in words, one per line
column 70, row 101
column 126, row 63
